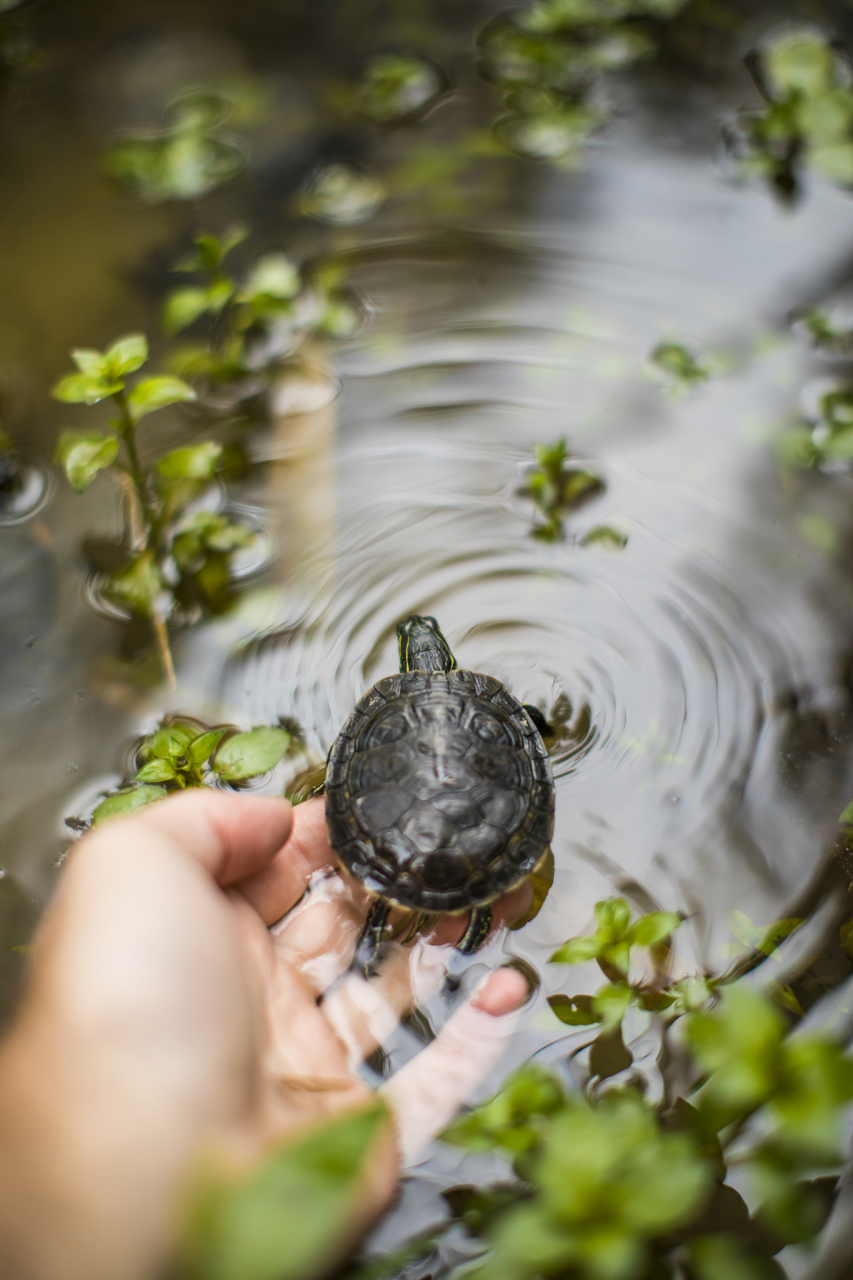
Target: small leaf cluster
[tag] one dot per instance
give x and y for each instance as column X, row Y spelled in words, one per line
column 183, row 753
column 611, row 1186
column 677, row 367
column 807, row 117
column 255, row 322
column 186, row 159
column 828, row 439
column 557, row 490
column 548, row 60
column 168, row 557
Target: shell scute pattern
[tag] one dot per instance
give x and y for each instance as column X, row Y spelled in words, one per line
column 439, row 790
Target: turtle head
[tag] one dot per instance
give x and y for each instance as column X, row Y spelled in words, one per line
column 422, row 646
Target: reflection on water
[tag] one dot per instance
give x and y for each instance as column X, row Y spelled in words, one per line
column 700, row 674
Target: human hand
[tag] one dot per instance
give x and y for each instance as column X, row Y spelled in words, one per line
column 163, row 1019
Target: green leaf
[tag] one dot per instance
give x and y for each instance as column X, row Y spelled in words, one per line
column 139, row 585
column 576, row 951
column 84, row 388
column 613, row 917
column 512, row 1119
column 155, row 393
column 800, row 61
column 127, row 354
column 273, row 276
column 574, row 1011
column 84, row 454
column 653, row 928
column 88, row 360
column 169, row 742
column 126, row 801
column 202, row 747
column 247, row 755
column 195, row 462
column 286, row 1219
column 183, row 307
column 156, row 771
column 612, row 1002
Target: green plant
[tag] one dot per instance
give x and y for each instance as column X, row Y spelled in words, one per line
column 557, row 490
column 677, row 367
column 168, row 557
column 185, row 753
column 610, row 1185
column 255, row 323
column 185, row 159
column 395, row 89
column 807, row 117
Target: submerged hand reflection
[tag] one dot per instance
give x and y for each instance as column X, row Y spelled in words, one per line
column 163, row 1018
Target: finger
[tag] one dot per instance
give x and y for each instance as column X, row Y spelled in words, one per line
column 279, row 883
column 320, row 935
column 231, row 836
column 426, row 1093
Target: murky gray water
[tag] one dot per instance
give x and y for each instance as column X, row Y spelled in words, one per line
column 707, row 664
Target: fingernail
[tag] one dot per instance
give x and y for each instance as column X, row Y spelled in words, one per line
column 527, row 971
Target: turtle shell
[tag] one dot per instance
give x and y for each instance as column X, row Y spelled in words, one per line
column 439, row 794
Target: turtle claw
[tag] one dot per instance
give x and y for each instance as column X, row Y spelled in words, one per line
column 477, row 932
column 366, row 956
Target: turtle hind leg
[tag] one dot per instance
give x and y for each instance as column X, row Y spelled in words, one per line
column 477, row 932
column 372, row 936
column 545, row 729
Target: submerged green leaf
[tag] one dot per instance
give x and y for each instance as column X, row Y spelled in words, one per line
column 249, row 754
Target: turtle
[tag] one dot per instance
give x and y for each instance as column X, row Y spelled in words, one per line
column 439, row 791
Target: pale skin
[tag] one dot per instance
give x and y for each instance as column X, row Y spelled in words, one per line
column 164, row 1024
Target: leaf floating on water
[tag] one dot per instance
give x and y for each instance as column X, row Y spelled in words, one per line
column 247, row 755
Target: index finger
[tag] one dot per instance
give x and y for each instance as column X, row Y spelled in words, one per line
column 279, row 885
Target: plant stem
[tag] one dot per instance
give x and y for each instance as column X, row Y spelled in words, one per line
column 127, row 427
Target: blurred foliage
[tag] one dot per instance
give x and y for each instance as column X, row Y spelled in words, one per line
column 183, row 752
column 257, row 323
column 397, row 89
column 342, row 194
column 187, row 158
column 807, row 118
column 677, row 367
column 172, row 556
column 286, row 1218
column 557, row 490
column 549, row 62
column 610, row 1185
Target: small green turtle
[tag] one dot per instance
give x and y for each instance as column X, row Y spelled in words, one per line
column 439, row 792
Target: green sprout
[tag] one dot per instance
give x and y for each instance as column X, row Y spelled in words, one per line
column 156, row 496
column 182, row 753
column 557, row 490
column 677, row 367
column 185, row 160
column 807, row 119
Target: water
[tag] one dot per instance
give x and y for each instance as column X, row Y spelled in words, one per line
column 707, row 665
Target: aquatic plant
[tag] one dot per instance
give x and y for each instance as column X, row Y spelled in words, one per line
column 182, row 753
column 609, row 1183
column 557, row 490
column 807, row 118
column 677, row 367
column 548, row 61
column 169, row 556
column 395, row 89
column 186, row 158
column 257, row 323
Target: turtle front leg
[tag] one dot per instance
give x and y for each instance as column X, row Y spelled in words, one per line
column 545, row 729
column 371, row 939
column 477, row 932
